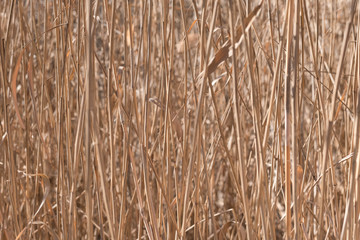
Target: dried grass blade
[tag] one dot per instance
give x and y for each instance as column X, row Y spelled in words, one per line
column 47, row 186
column 223, row 53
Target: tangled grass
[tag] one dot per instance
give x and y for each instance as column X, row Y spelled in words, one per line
column 209, row 119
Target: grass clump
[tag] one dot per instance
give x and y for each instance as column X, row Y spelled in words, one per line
column 179, row 119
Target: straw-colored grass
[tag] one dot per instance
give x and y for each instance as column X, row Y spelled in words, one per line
column 212, row 119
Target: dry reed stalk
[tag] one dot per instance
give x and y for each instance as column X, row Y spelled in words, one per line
column 179, row 119
column 89, row 95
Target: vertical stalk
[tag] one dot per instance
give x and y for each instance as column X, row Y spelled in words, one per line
column 110, row 117
column 287, row 122
column 294, row 134
column 89, row 89
column 236, row 113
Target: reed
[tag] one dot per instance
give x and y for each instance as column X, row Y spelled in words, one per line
column 212, row 119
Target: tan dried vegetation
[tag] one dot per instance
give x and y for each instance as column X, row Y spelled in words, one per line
column 213, row 119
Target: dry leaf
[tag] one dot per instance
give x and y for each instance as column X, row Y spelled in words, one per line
column 223, row 53
column 340, row 103
column 193, row 39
